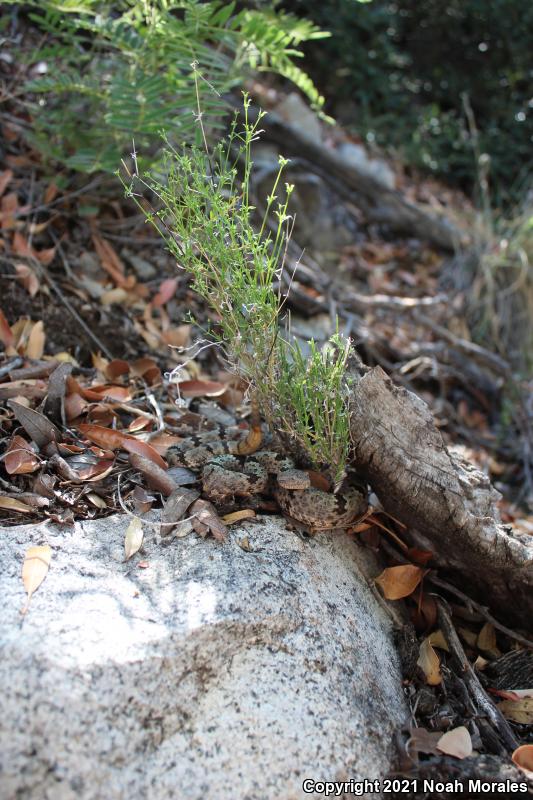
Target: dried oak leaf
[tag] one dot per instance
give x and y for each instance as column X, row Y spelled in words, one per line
column 20, row 458
column 206, row 519
column 175, row 507
column 36, row 425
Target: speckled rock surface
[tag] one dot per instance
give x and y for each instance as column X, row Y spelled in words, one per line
column 211, row 673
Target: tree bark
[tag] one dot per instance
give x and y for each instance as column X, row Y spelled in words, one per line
column 448, row 506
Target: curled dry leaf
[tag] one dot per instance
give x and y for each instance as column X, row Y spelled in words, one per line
column 423, row 741
column 147, row 369
column 206, row 519
column 175, row 507
column 177, row 337
column 398, row 582
column 200, row 388
column 36, row 425
column 436, row 639
column 116, row 368
column 36, row 340
column 27, row 278
column 238, row 516
column 96, row 500
column 486, row 641
column 116, row 440
column 523, row 758
column 142, row 501
column 20, row 458
column 419, row 556
column 511, row 694
column 11, row 504
column 518, row 710
column 110, row 260
column 456, row 743
column 156, row 478
column 167, row 290
column 35, row 569
column 133, row 538
column 429, row 663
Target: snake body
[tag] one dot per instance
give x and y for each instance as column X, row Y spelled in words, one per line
column 226, row 474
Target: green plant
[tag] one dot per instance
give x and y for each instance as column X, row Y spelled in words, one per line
column 312, row 393
column 501, row 291
column 205, row 217
column 121, row 70
column 399, row 68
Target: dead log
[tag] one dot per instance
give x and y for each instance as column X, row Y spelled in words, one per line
column 448, row 506
column 378, row 202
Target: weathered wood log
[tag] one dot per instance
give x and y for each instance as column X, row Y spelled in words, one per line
column 378, row 202
column 448, row 506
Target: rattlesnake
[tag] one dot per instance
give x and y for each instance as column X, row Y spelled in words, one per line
column 230, row 469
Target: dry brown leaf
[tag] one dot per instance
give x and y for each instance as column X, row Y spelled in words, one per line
column 422, row 741
column 111, row 392
column 27, row 278
column 238, row 516
column 133, row 538
column 11, row 504
column 23, row 389
column 511, row 694
column 175, row 507
column 398, row 582
column 419, row 556
column 523, row 758
column 146, row 368
column 75, row 405
column 486, row 640
column 456, row 743
column 319, row 480
column 35, row 569
column 20, row 458
column 110, row 260
column 200, row 388
column 140, row 424
column 96, row 500
column 37, row 426
column 518, row 710
column 36, row 340
column 156, row 478
column 176, row 337
column 436, row 639
column 116, row 440
column 143, row 501
column 117, row 296
column 206, row 519
column 166, row 292
column 116, row 368
column 429, row 663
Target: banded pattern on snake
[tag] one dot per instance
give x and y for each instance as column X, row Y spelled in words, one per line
column 230, row 469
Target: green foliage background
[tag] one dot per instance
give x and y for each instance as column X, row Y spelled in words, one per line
column 121, row 70
column 406, row 64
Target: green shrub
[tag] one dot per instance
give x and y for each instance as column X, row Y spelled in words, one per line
column 204, row 215
column 117, row 71
column 407, row 65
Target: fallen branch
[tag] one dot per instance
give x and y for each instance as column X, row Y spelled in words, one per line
column 448, row 506
column 378, row 202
